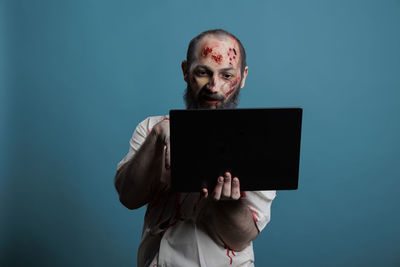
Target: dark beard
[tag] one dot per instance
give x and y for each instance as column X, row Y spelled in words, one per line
column 192, row 102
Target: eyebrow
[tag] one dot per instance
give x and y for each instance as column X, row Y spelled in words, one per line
column 207, row 68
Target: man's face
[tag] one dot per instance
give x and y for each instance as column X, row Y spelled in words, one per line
column 214, row 78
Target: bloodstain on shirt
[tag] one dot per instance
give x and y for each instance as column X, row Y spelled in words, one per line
column 229, row 256
column 254, row 213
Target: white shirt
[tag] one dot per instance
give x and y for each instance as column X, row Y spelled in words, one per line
column 176, row 231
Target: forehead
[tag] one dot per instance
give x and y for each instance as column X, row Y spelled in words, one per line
column 223, row 44
column 218, row 51
column 217, row 42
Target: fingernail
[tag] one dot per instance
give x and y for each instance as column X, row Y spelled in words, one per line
column 220, row 179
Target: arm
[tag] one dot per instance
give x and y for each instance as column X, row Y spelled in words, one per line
column 230, row 216
column 141, row 177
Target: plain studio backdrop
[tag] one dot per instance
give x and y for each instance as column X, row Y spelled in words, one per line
column 78, row 76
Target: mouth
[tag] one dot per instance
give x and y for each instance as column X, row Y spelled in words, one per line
column 212, row 100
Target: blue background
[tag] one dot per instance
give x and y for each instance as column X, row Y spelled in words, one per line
column 78, row 76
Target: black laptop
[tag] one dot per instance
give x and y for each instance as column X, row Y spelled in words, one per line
column 259, row 146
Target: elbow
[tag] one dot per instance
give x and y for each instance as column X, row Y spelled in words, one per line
column 238, row 247
column 125, row 197
column 130, row 199
column 128, row 204
column 239, row 244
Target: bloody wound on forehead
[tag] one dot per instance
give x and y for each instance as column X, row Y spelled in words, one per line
column 215, row 56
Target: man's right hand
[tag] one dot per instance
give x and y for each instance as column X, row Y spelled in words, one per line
column 161, row 130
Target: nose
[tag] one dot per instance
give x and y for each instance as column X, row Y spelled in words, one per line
column 212, row 84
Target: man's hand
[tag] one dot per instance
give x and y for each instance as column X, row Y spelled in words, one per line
column 161, row 130
column 226, row 188
column 230, row 217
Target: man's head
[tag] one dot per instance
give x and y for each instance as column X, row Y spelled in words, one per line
column 215, row 70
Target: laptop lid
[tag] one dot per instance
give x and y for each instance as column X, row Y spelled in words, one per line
column 259, row 146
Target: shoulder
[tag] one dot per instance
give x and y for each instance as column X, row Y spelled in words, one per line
column 152, row 120
column 147, row 124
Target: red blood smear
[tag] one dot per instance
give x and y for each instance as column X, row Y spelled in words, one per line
column 207, row 50
column 230, row 92
column 227, row 254
column 253, row 212
column 233, row 86
column 217, row 58
column 234, row 82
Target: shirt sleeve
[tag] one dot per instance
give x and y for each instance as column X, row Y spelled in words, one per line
column 259, row 203
column 139, row 136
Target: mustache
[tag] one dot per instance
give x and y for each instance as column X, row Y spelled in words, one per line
column 205, row 93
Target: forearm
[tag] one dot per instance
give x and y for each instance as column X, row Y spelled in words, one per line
column 234, row 223
column 139, row 177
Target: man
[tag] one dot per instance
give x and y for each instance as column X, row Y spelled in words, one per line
column 195, row 229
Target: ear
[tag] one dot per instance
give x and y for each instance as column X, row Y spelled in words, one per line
column 246, row 70
column 185, row 70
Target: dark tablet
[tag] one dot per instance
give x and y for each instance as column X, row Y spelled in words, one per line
column 259, row 146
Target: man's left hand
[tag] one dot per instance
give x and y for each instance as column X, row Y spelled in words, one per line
column 226, row 188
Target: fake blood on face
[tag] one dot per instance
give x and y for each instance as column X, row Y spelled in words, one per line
column 207, row 50
column 229, row 92
column 217, row 58
column 232, row 55
column 234, row 82
column 232, row 85
column 214, row 55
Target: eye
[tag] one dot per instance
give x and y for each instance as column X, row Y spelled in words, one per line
column 227, row 76
column 201, row 73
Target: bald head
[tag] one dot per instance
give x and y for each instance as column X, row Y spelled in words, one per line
column 239, row 53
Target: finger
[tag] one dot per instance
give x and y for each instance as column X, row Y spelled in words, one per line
column 204, row 193
column 235, row 194
column 167, row 155
column 226, row 189
column 218, row 188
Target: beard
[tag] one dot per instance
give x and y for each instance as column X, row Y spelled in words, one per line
column 194, row 102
